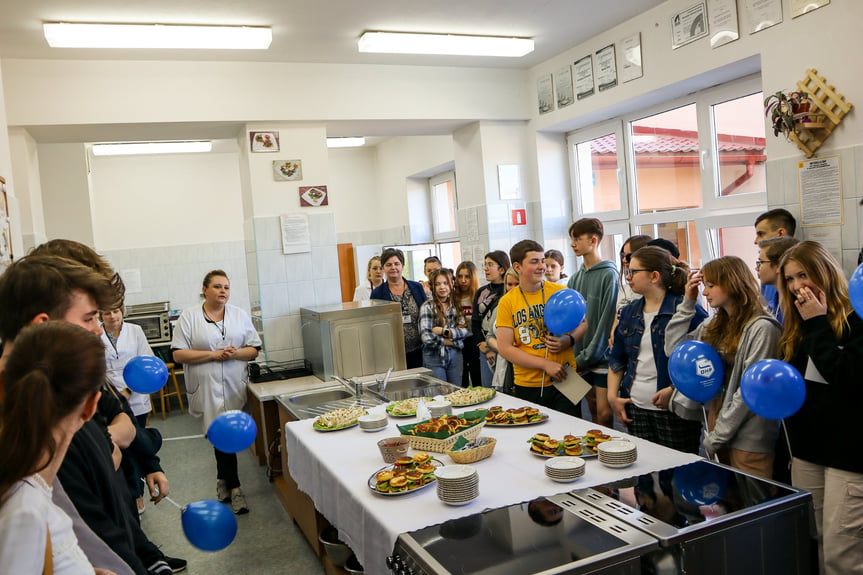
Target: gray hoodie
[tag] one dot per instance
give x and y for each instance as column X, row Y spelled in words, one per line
column 598, row 285
column 736, row 426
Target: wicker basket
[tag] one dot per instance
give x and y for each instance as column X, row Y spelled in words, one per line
column 443, row 445
column 475, row 454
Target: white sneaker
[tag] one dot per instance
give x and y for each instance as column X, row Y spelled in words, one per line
column 238, row 502
column 222, row 491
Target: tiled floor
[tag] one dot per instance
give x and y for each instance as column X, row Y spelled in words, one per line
column 267, row 542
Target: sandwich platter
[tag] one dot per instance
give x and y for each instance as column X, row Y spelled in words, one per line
column 542, row 445
column 413, row 478
column 338, row 419
column 514, row 417
column 470, row 396
column 406, row 408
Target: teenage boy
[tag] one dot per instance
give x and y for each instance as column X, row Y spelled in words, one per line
column 39, row 288
column 538, row 358
column 597, row 281
column 773, row 224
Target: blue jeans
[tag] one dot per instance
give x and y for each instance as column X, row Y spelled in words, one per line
column 486, row 371
column 448, row 368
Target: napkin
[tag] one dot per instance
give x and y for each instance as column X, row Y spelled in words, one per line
column 422, row 411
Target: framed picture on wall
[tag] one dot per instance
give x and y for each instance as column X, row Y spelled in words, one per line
column 313, row 196
column 287, row 170
column 264, row 141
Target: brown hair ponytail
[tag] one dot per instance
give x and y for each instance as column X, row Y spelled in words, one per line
column 52, row 370
column 673, row 273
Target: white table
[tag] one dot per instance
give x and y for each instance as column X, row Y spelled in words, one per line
column 334, row 467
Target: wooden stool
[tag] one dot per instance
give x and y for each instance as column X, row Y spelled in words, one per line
column 166, row 395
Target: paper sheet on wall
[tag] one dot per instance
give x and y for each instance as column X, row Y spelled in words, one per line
column 471, row 234
column 828, row 236
column 820, row 186
column 479, row 252
column 762, row 14
column 722, row 20
column 132, row 280
column 801, row 7
column 295, row 234
column 631, row 58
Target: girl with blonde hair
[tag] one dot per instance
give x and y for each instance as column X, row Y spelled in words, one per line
column 374, row 278
column 443, row 328
column 466, row 286
column 823, row 339
column 743, row 332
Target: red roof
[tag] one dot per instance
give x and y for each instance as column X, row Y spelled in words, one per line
column 676, row 142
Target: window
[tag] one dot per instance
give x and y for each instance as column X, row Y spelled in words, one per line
column 690, row 171
column 449, row 254
column 443, row 204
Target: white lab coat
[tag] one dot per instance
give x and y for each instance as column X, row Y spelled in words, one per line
column 215, row 387
column 131, row 343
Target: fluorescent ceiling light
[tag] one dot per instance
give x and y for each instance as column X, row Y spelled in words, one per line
column 345, row 142
column 448, row 44
column 68, row 35
column 128, row 149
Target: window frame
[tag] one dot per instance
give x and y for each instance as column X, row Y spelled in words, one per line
column 437, row 179
column 586, row 135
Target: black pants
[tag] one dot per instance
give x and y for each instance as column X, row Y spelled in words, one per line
column 470, row 374
column 551, row 398
column 226, row 469
column 414, row 358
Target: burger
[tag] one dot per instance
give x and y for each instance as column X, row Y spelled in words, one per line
column 519, row 415
column 572, row 445
column 602, row 438
column 421, row 457
column 383, row 480
column 404, row 463
column 550, row 447
column 414, row 479
column 398, row 484
column 427, row 471
column 533, row 414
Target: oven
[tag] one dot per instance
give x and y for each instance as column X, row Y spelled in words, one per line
column 154, row 319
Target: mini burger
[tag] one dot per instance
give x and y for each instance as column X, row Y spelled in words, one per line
column 398, row 484
column 421, row 457
column 414, row 478
column 550, row 447
column 404, row 463
column 572, row 445
column 602, row 438
column 383, row 480
column 427, row 471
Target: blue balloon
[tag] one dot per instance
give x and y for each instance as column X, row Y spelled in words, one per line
column 773, row 389
column 232, row 431
column 209, row 525
column 145, row 374
column 564, row 311
column 855, row 290
column 696, row 370
column 701, row 483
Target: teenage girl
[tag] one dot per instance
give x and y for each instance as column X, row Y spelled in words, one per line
column 743, row 332
column 823, row 339
column 639, row 386
column 504, row 379
column 554, row 267
column 374, row 278
column 52, row 380
column 443, row 328
column 466, row 284
column 484, row 303
column 430, row 264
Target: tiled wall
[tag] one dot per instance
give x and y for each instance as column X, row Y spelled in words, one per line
column 175, row 273
column 495, row 230
column 289, row 282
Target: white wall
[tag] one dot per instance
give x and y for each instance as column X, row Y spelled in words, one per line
column 28, row 187
column 66, row 192
column 353, row 179
column 170, row 199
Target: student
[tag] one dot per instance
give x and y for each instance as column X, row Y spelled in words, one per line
column 773, row 224
column 466, row 284
column 625, row 295
column 539, row 358
column 596, row 280
column 52, row 381
column 503, row 379
column 430, row 264
column 443, row 328
column 374, row 278
column 484, row 303
column 770, row 252
column 639, row 387
column 743, row 333
column 823, row 339
column 554, row 267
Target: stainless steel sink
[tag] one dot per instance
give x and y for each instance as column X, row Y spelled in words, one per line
column 399, row 389
column 315, row 402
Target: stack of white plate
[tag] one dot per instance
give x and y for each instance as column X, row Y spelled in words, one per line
column 457, row 484
column 617, row 453
column 564, row 469
column 373, row 421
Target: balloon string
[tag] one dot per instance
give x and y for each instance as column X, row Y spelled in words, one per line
column 714, row 457
column 787, row 443
column 168, row 499
column 542, row 385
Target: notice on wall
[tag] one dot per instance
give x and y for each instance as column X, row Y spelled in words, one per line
column 631, row 58
column 820, row 186
column 801, row 7
column 828, row 236
column 545, row 93
column 688, row 25
column 471, row 234
column 606, row 68
column 762, row 14
column 722, row 17
column 132, row 280
column 583, row 71
column 565, row 95
column 295, row 234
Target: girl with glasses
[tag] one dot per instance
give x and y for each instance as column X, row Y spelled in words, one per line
column 638, row 380
column 743, row 332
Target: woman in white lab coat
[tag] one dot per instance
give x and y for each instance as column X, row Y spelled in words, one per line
column 214, row 342
column 124, row 341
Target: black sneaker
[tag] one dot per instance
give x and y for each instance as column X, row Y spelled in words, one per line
column 175, row 563
column 160, row 567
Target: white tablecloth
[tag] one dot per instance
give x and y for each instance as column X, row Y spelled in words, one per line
column 333, row 469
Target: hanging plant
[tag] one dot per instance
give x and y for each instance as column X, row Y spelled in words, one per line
column 786, row 111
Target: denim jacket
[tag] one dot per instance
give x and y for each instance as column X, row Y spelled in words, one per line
column 627, row 340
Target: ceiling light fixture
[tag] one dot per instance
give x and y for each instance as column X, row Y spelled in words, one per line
column 446, row 44
column 345, row 142
column 134, row 148
column 170, row 36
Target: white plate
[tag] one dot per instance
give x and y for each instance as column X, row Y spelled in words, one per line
column 616, row 465
column 562, row 480
column 454, row 472
column 565, row 463
column 373, row 429
column 616, row 446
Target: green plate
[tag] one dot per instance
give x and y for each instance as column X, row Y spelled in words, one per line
column 390, row 407
column 320, row 427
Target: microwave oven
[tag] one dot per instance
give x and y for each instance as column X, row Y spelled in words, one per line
column 153, row 318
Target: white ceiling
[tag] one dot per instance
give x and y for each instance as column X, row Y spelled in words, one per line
column 324, row 30
column 311, row 31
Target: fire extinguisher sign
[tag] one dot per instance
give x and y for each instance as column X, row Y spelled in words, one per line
column 519, row 217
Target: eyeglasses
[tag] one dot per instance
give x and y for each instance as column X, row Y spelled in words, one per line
column 490, row 265
column 631, row 271
column 625, row 258
column 759, row 263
